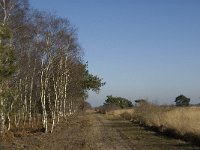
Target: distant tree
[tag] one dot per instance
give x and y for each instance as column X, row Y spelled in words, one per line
column 118, row 101
column 85, row 106
column 182, row 100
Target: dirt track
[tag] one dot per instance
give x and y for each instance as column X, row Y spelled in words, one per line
column 104, row 136
column 111, row 133
column 97, row 132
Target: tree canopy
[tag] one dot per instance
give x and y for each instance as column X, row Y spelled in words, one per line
column 182, row 100
column 118, row 101
column 7, row 56
column 92, row 82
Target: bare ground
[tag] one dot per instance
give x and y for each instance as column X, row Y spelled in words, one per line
column 94, row 131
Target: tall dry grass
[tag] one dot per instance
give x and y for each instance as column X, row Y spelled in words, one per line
column 181, row 119
column 183, row 122
column 119, row 112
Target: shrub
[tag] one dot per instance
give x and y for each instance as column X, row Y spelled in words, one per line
column 126, row 116
column 107, row 108
column 148, row 114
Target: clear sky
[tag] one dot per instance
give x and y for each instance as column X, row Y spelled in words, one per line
column 141, row 48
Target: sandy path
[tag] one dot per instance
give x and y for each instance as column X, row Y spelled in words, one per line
column 104, row 137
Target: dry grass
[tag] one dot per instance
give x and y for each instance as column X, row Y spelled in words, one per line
column 119, row 112
column 181, row 122
column 181, row 119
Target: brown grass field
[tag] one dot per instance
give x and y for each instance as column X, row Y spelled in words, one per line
column 180, row 122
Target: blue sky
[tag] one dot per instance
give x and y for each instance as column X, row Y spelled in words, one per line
column 141, row 48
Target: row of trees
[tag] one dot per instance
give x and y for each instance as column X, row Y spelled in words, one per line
column 114, row 103
column 180, row 100
column 42, row 72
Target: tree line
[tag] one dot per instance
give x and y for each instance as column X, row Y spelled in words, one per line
column 43, row 76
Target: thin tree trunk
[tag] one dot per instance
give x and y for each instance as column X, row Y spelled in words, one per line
column 2, row 118
column 9, row 121
column 30, row 99
column 43, row 101
column 25, row 100
column 17, row 119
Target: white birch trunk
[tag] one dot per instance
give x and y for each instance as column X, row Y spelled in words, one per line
column 9, row 121
column 17, row 119
column 70, row 108
column 65, row 93
column 2, row 118
column 43, row 101
column 30, row 99
column 25, row 100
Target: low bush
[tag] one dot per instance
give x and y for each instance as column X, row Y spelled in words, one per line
column 107, row 108
column 126, row 116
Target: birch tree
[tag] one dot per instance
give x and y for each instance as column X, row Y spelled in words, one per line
column 51, row 79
